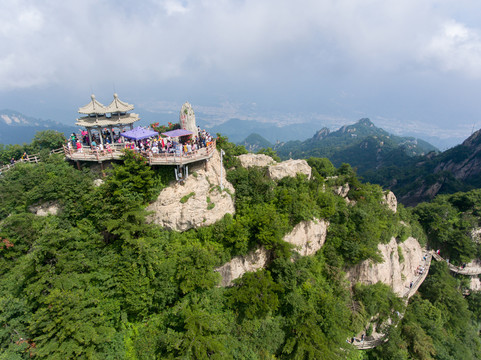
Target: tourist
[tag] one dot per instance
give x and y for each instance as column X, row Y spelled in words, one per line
column 79, row 146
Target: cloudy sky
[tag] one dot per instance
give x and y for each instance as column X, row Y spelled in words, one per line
column 412, row 67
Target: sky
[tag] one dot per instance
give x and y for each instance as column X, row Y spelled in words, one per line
column 413, row 67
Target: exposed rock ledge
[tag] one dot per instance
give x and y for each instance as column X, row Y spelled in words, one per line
column 172, row 214
column 390, row 200
column 289, row 168
column 475, row 284
column 261, row 160
column 48, row 208
column 276, row 171
column 307, row 237
column 397, row 274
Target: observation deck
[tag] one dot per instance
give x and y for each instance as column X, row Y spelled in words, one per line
column 117, row 150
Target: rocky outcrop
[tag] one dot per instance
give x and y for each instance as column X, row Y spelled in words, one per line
column 198, row 202
column 390, row 200
column 239, row 265
column 261, row 160
column 393, row 271
column 475, row 284
column 44, row 209
column 289, row 168
column 342, row 190
column 476, row 235
column 308, row 236
column 276, row 171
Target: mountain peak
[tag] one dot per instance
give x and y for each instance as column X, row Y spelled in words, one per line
column 474, row 140
column 365, row 122
column 321, row 134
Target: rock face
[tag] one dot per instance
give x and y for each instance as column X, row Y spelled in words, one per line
column 289, row 168
column 393, row 272
column 308, row 236
column 390, row 200
column 48, row 208
column 276, row 171
column 342, row 190
column 249, row 160
column 239, row 265
column 199, row 192
column 475, row 284
column 187, row 119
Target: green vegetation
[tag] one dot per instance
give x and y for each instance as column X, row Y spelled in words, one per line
column 363, row 145
column 185, row 198
column 96, row 281
column 43, row 142
column 448, row 222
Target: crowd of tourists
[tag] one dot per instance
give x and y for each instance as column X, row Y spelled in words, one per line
column 154, row 145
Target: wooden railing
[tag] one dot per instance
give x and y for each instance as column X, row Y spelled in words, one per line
column 117, row 151
column 35, row 158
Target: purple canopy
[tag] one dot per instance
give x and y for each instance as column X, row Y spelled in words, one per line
column 139, row 133
column 177, row 133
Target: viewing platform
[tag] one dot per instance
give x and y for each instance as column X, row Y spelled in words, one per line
column 116, row 151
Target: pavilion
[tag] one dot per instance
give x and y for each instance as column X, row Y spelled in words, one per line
column 115, row 115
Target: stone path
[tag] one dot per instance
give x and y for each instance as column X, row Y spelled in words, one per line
column 377, row 339
column 470, row 270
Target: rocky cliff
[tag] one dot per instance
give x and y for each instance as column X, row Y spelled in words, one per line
column 390, row 200
column 276, row 171
column 44, row 209
column 307, row 238
column 261, row 160
column 289, row 168
column 397, row 270
column 198, row 202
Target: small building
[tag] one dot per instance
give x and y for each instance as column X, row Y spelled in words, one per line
column 114, row 116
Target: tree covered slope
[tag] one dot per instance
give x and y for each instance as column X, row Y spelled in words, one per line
column 96, row 281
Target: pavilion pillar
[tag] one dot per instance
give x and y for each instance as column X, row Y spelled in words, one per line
column 111, row 128
column 90, row 135
column 100, row 135
column 131, row 126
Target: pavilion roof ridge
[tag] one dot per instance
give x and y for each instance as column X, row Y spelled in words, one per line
column 93, row 107
column 118, row 105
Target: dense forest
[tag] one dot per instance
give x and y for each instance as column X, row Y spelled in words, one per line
column 97, row 281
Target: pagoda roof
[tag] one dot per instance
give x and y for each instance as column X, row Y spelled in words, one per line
column 104, row 121
column 93, row 107
column 118, row 106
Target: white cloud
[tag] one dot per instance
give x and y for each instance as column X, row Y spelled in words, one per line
column 456, row 48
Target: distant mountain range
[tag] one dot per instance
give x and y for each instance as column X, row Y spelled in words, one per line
column 16, row 128
column 412, row 168
column 421, row 178
column 237, row 130
column 362, row 145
